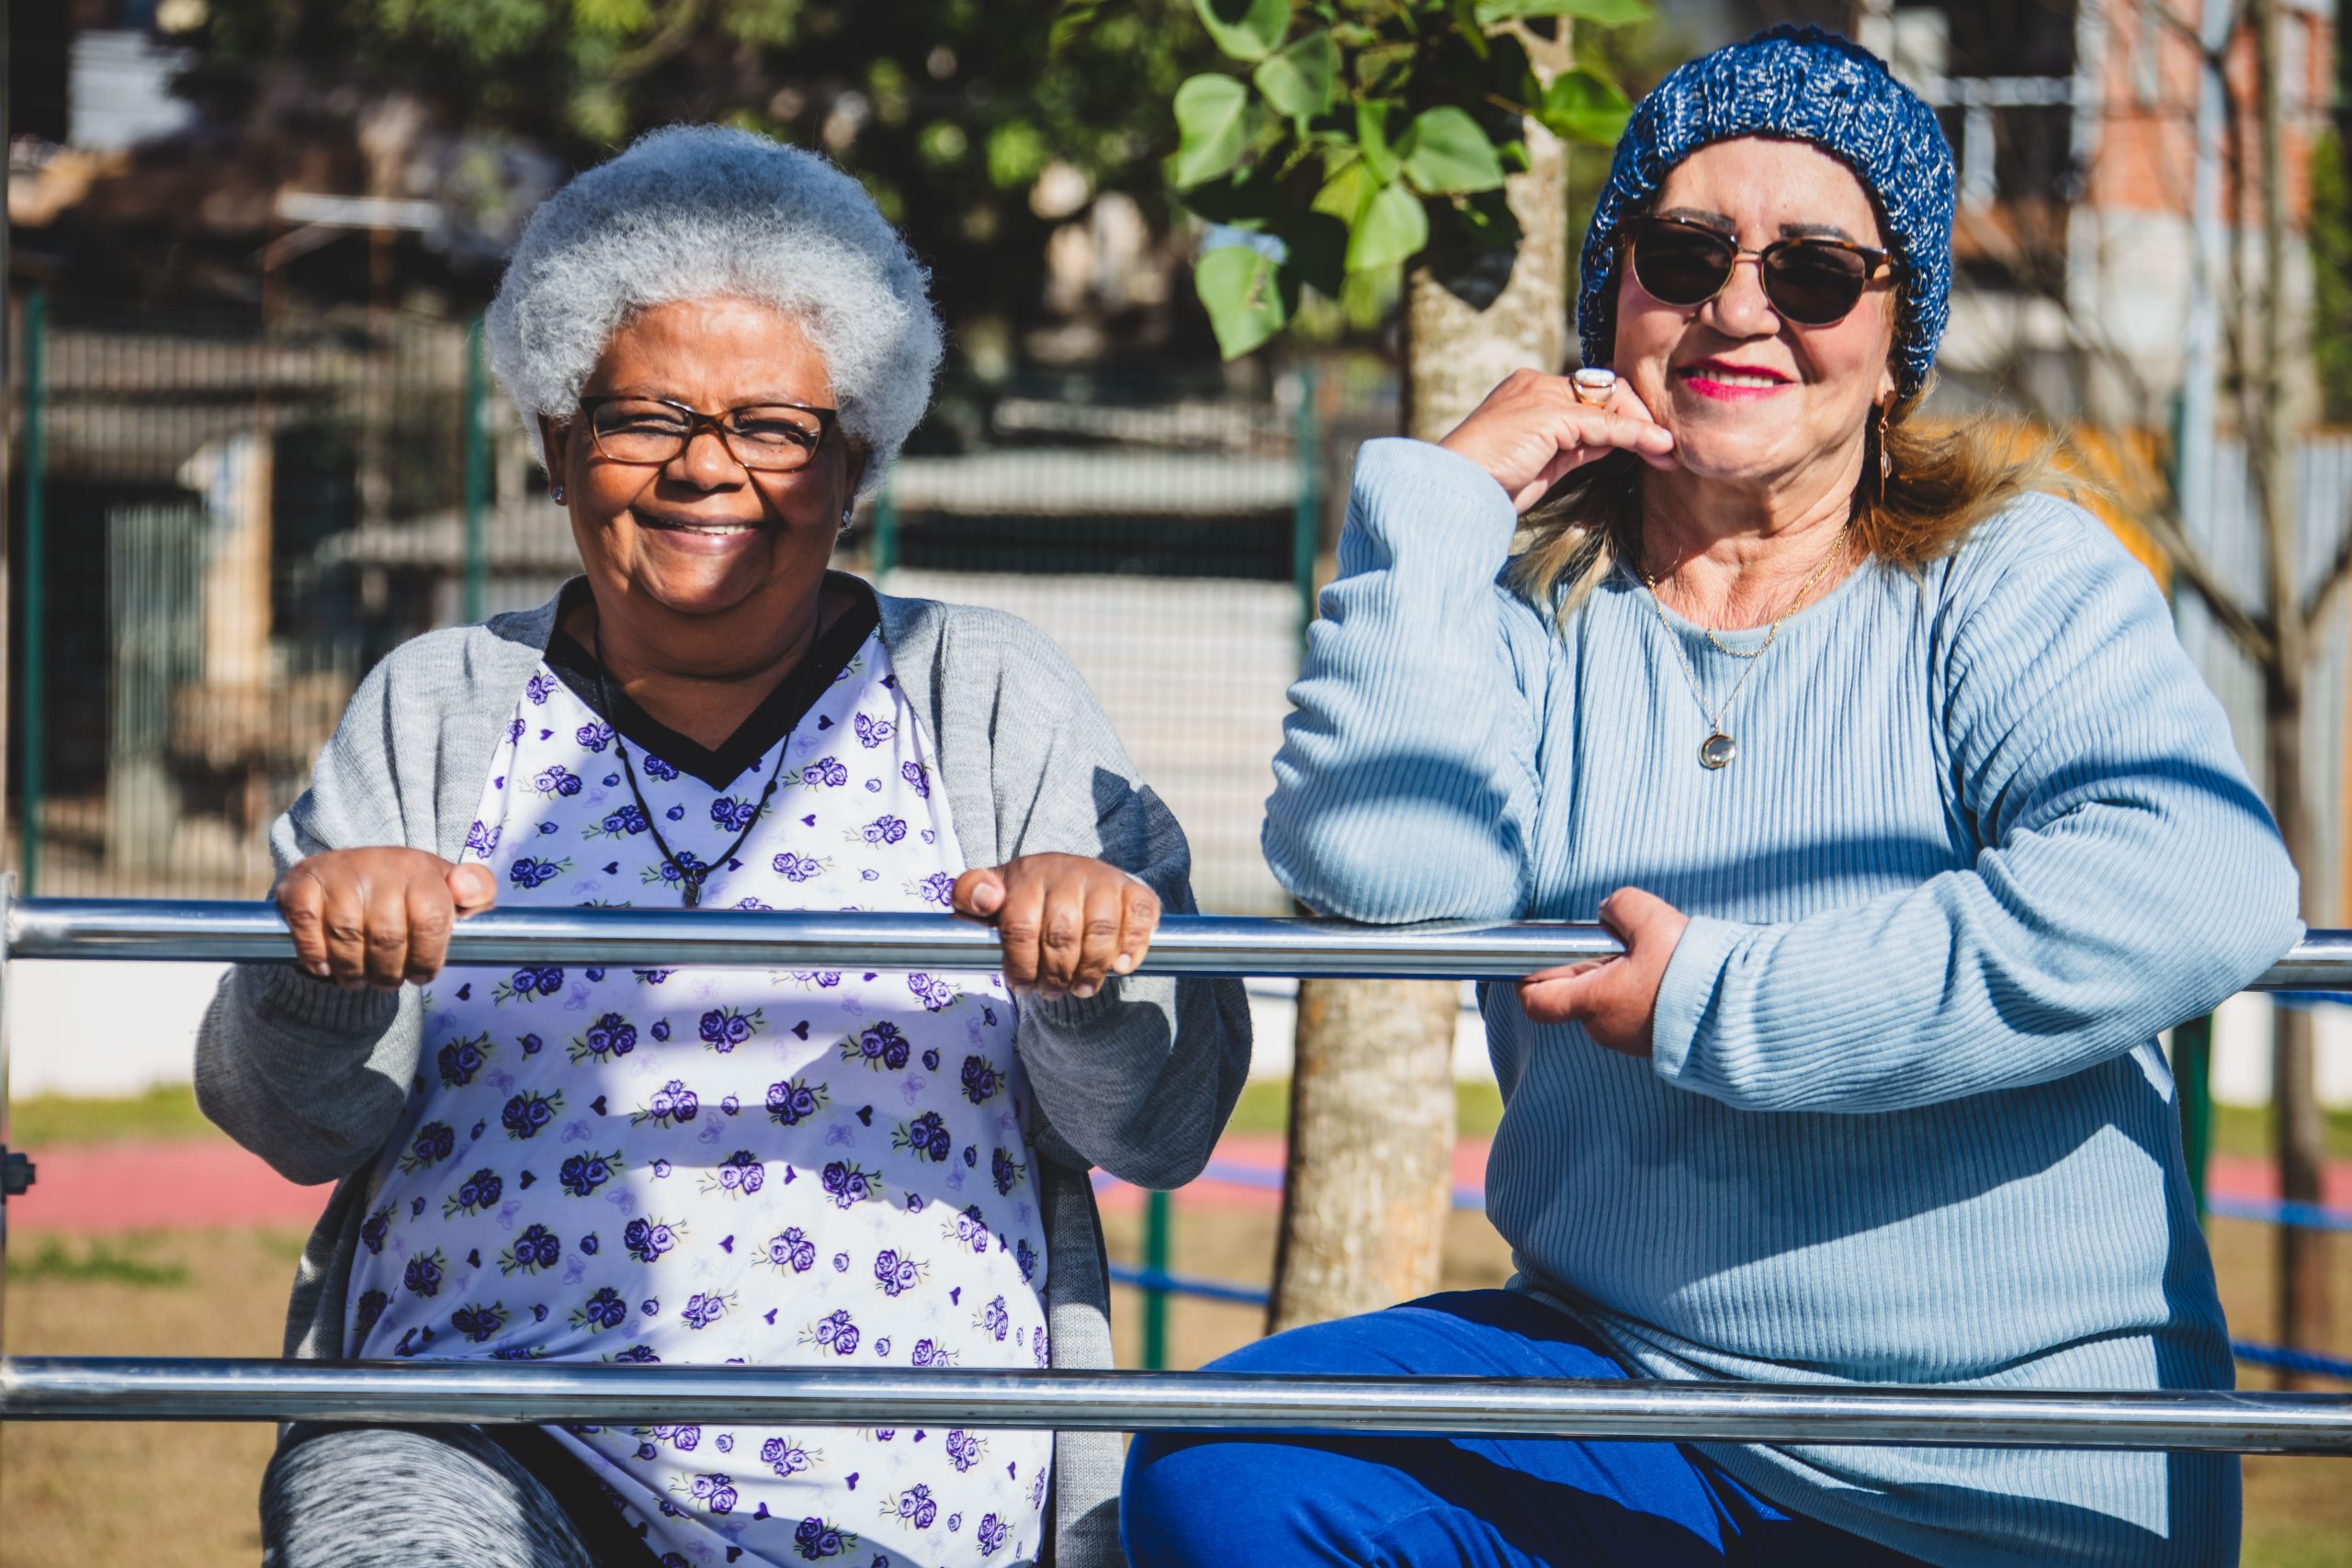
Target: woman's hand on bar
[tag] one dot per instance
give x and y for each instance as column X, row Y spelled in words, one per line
column 378, row 917
column 1065, row 921
column 1615, row 998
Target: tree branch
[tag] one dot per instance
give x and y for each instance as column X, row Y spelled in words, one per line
column 671, row 36
column 2322, row 593
column 2250, row 632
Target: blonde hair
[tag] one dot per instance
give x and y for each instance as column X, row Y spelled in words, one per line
column 1947, row 477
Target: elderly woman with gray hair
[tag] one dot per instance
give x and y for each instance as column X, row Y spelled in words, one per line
column 718, row 343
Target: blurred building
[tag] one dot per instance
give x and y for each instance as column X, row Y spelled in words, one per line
column 2073, row 123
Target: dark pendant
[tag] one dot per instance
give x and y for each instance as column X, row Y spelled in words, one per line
column 693, row 884
column 1717, row 750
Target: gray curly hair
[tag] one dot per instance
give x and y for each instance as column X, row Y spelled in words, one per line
column 698, row 212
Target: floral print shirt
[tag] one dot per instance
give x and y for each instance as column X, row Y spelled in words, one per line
column 728, row 1165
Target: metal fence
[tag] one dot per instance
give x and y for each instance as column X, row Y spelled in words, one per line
column 185, row 644
column 119, row 1389
column 222, row 529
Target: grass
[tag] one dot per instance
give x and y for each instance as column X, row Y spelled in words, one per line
column 2245, row 1130
column 195, row 1484
column 101, row 1261
column 168, row 1112
column 1265, row 1107
column 162, row 1114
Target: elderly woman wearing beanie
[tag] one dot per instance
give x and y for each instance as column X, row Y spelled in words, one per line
column 1917, row 828
column 718, row 343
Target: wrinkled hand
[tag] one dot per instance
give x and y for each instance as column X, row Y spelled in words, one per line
column 1065, row 921
column 378, row 917
column 1615, row 998
column 1531, row 433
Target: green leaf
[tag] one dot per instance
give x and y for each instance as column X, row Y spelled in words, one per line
column 1392, row 226
column 1239, row 287
column 1583, row 107
column 1300, row 79
column 1214, row 120
column 1070, row 26
column 1347, row 192
column 1372, row 139
column 1600, row 13
column 1445, row 153
column 1016, row 154
column 1245, row 29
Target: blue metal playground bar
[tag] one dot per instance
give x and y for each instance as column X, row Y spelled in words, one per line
column 52, row 1388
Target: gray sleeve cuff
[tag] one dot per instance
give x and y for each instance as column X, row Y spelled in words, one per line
column 283, row 995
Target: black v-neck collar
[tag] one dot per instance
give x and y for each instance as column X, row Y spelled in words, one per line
column 779, row 713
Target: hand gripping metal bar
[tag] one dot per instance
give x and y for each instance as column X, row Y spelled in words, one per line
column 1185, row 944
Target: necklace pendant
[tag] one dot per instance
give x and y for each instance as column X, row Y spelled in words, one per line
column 1716, row 752
column 693, row 884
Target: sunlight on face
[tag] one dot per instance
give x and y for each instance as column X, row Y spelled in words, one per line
column 701, row 534
column 1750, row 396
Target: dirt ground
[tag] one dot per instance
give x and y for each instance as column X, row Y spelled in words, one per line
column 64, row 1501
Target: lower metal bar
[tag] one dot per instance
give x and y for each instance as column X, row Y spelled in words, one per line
column 45, row 1388
column 1186, row 945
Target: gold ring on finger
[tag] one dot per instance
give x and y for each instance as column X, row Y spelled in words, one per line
column 1594, row 386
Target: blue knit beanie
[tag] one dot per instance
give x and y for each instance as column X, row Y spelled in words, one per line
column 1813, row 86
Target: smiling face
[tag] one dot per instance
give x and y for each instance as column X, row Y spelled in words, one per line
column 1752, row 398
column 702, row 536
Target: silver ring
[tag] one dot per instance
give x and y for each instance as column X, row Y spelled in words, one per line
column 1594, row 385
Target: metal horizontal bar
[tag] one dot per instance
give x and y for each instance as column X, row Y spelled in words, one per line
column 45, row 1388
column 1186, row 945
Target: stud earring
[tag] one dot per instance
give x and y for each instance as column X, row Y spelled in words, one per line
column 555, row 492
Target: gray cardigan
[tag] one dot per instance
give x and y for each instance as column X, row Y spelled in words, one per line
column 1137, row 1079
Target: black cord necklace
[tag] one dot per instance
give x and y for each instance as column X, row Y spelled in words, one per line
column 691, row 875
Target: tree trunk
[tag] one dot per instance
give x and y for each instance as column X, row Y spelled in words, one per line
column 1476, row 313
column 1370, row 1176
column 2303, row 1250
column 2297, row 1127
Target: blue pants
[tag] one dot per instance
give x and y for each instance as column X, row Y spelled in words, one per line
column 1453, row 1502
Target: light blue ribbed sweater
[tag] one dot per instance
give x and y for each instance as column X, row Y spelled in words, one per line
column 1904, row 1119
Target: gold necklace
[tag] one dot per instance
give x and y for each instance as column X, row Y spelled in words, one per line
column 1716, row 752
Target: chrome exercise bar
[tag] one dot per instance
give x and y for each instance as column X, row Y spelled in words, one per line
column 45, row 1388
column 67, row 1389
column 1186, row 945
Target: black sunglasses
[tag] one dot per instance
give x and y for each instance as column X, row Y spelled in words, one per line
column 1815, row 281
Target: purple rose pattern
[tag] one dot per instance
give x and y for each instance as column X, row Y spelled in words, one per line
column 821, row 1166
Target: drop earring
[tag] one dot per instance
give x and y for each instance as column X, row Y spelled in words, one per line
column 1885, row 458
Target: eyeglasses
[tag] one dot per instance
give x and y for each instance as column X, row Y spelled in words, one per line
column 1814, row 282
column 770, row 437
